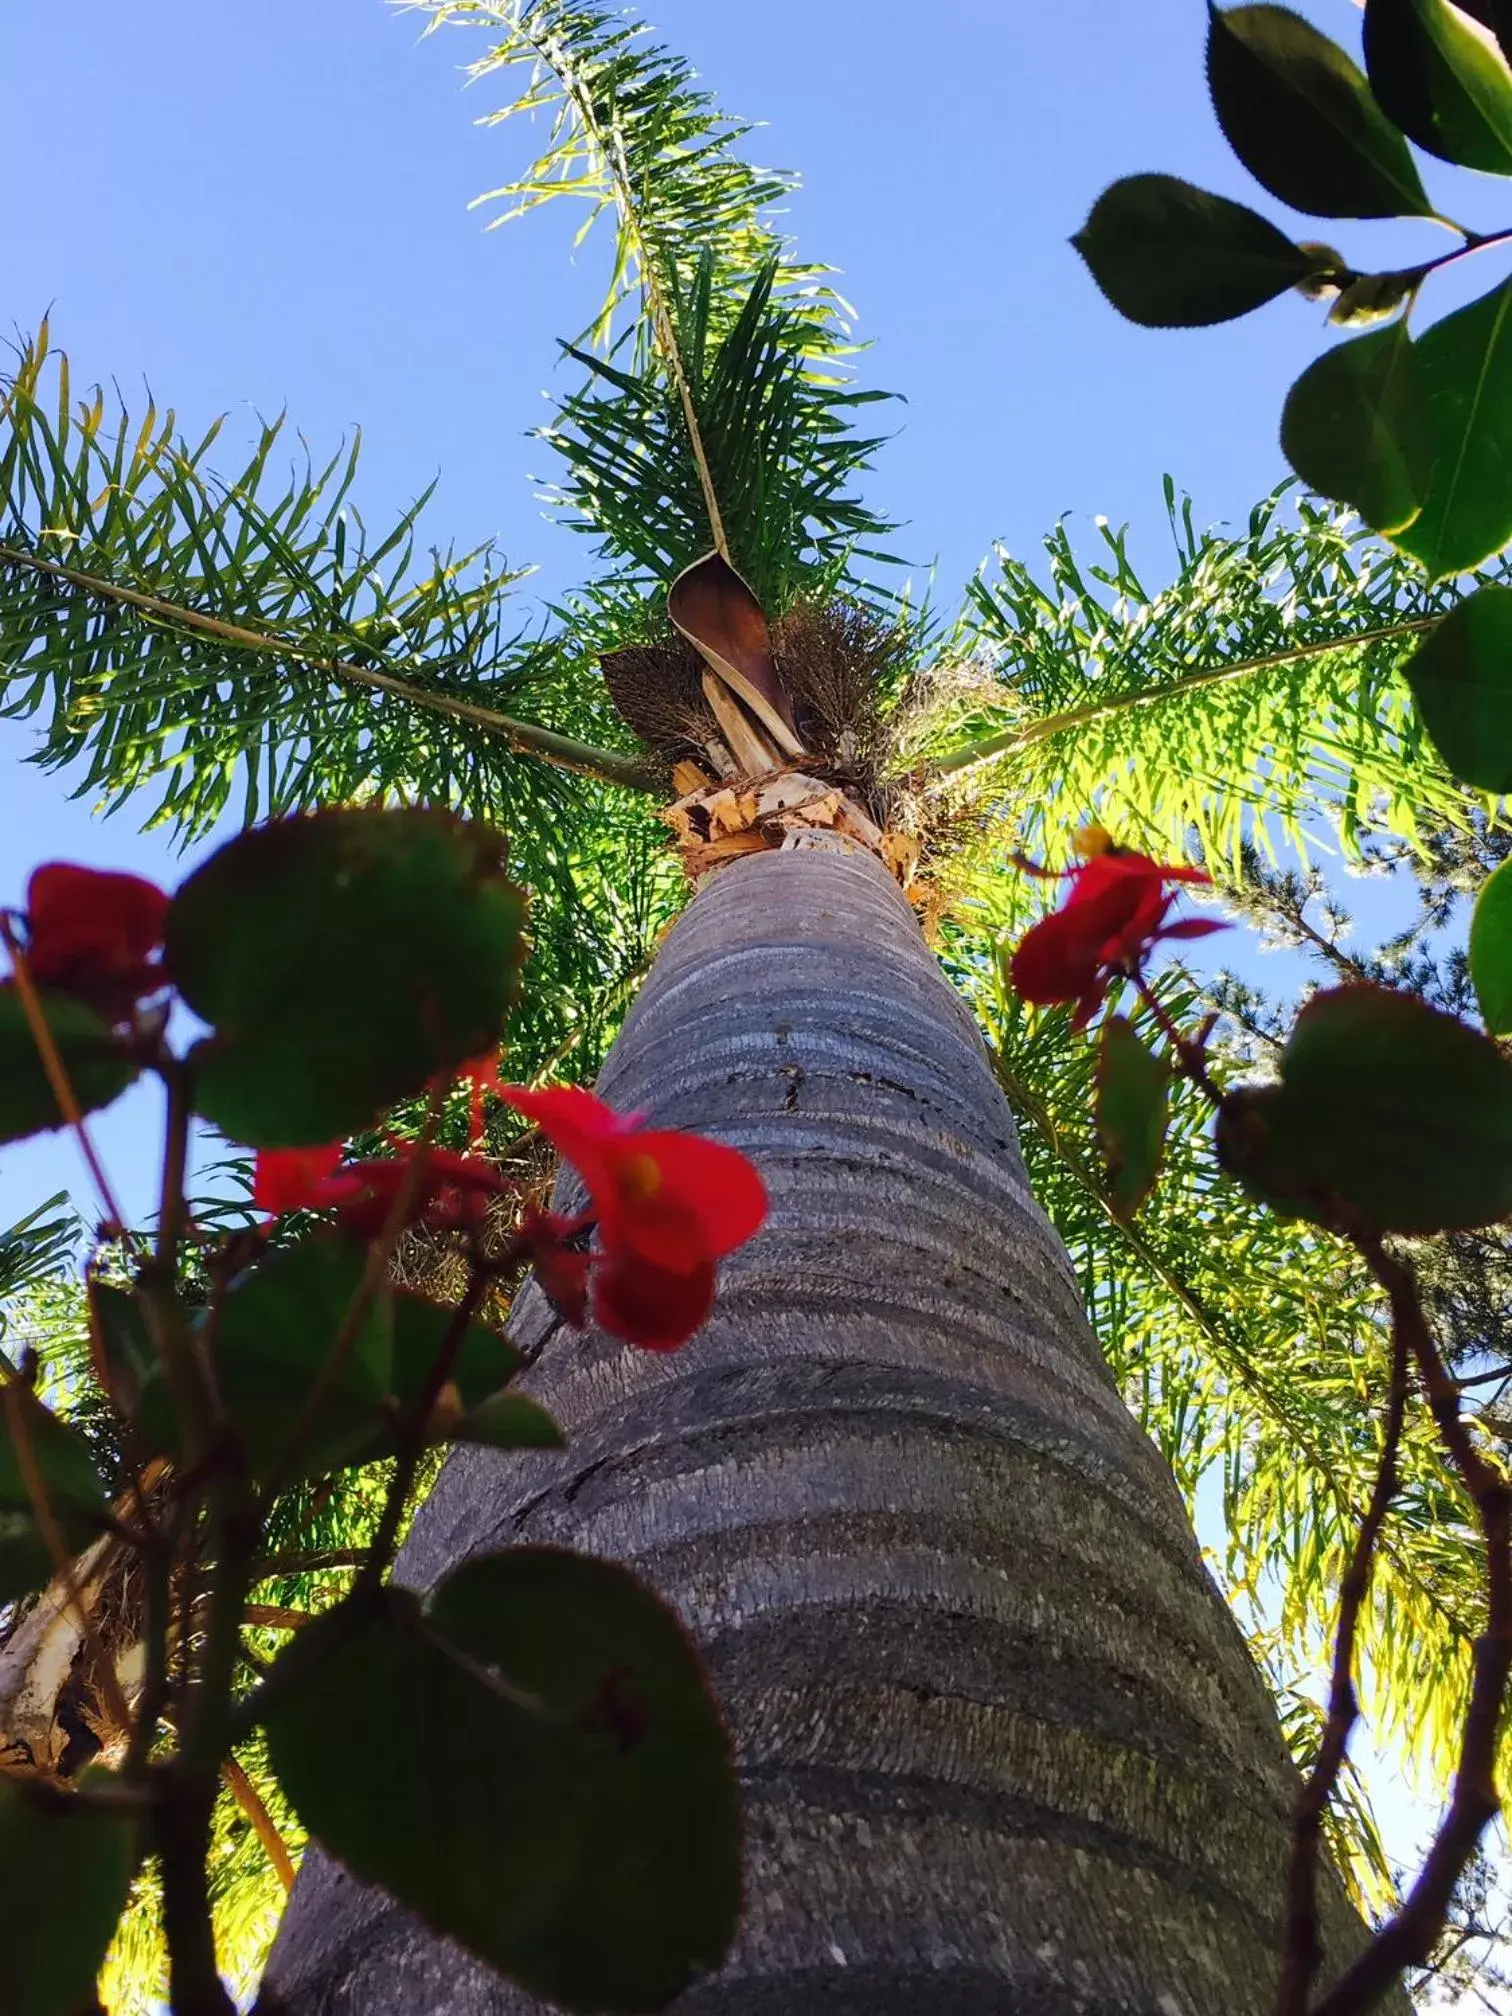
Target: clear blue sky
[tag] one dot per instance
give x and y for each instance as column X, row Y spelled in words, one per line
column 253, row 206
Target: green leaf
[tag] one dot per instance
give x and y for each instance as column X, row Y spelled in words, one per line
column 75, row 1493
column 123, row 1344
column 509, row 1421
column 1133, row 1087
column 1401, row 1112
column 1461, row 679
column 1464, row 367
column 485, row 1360
column 343, row 959
column 1355, row 426
column 1491, row 951
column 1300, row 116
column 65, row 1871
column 278, row 1327
column 99, row 1066
column 1169, row 255
column 654, row 1892
column 1442, row 80
column 571, row 1814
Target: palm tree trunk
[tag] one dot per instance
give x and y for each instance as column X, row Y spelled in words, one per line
column 1002, row 1746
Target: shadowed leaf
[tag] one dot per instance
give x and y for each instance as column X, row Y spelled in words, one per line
column 1464, row 366
column 1132, row 1090
column 1300, row 116
column 344, row 960
column 571, row 1815
column 98, row 1065
column 1355, row 426
column 1461, row 679
column 1170, row 256
column 1400, row 1112
column 1442, row 79
column 1491, row 951
column 64, row 1873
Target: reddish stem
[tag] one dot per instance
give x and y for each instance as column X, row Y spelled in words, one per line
column 1303, row 1952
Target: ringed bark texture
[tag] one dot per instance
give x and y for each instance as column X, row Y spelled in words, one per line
column 1002, row 1746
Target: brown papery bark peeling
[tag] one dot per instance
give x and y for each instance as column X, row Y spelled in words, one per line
column 1002, row 1746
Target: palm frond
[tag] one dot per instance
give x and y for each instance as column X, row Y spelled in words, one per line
column 722, row 416
column 194, row 632
column 37, row 1248
column 1259, row 689
column 776, row 442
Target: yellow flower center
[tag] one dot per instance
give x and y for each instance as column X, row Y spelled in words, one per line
column 1091, row 841
column 640, row 1178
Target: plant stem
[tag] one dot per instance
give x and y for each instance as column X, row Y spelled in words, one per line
column 413, row 1436
column 181, row 1830
column 1407, row 1938
column 1302, row 1951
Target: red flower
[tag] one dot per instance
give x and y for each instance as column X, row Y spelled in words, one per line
column 93, row 934
column 285, row 1179
column 658, row 1308
column 668, row 1205
column 1114, row 913
column 451, row 1192
column 560, row 1269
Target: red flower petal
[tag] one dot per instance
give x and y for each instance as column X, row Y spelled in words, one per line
column 290, row 1179
column 649, row 1305
column 93, row 933
column 709, row 1198
column 1114, row 912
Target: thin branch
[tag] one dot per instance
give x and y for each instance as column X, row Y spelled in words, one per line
column 1303, row 1951
column 374, row 1273
column 413, row 1432
column 562, row 751
column 276, row 1617
column 1406, row 1939
column 309, row 1563
column 1010, row 740
column 245, row 1793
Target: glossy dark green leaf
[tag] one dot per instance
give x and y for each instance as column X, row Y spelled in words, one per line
column 123, row 1347
column 1461, row 679
column 1133, row 1088
column 1299, row 114
column 484, row 1362
column 570, row 1815
column 98, row 1065
column 1169, row 255
column 654, row 1891
column 1464, row 366
column 1442, row 79
column 343, row 960
column 278, row 1327
column 1401, row 1112
column 1355, row 426
column 509, row 1421
column 419, row 1774
column 75, row 1492
column 1491, row 951
column 64, row 1874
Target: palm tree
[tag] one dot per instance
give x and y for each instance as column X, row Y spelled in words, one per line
column 1000, row 1739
